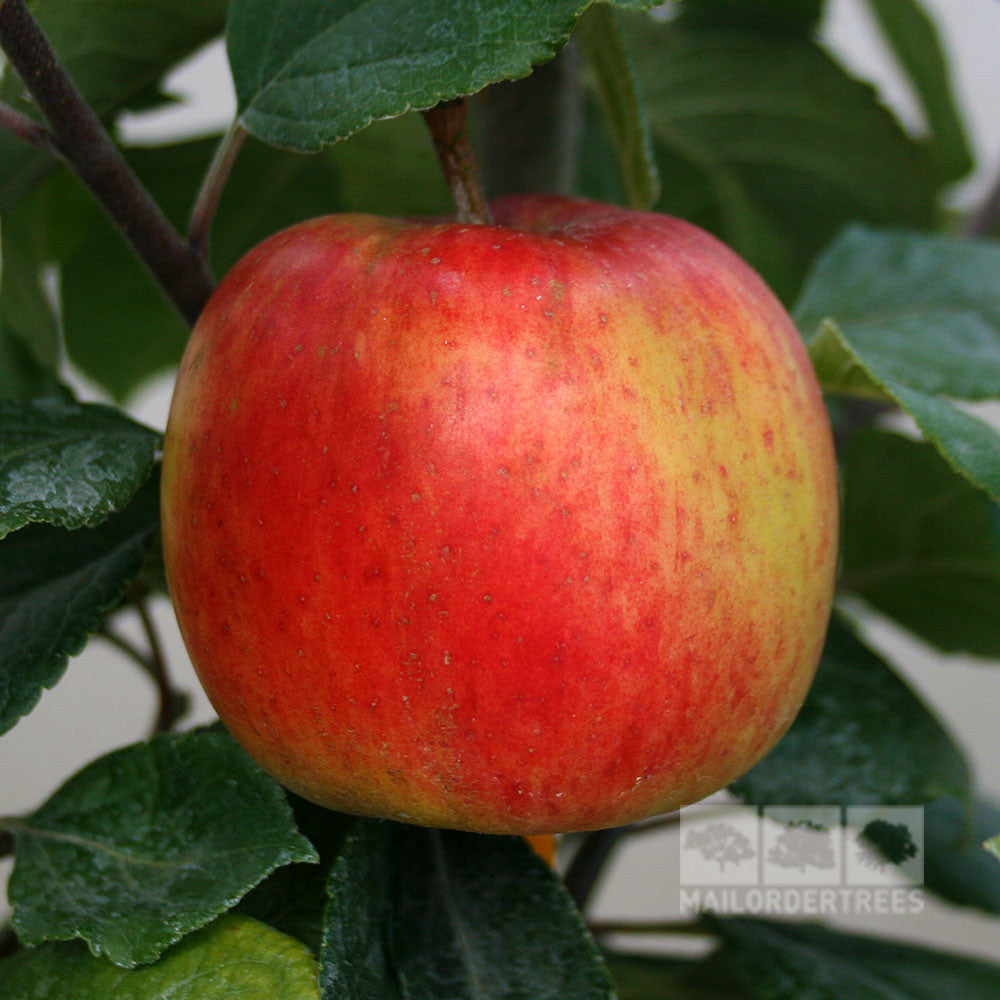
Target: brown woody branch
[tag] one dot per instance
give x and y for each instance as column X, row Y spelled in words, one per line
column 80, row 138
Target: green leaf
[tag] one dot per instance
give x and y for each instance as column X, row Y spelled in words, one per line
column 149, row 843
column 388, row 169
column 484, row 917
column 310, row 73
column 993, row 844
column 791, row 961
column 600, row 37
column 423, row 914
column 913, row 37
column 115, row 51
column 21, row 376
column 67, row 463
column 120, row 330
column 762, row 138
column 56, row 586
column 293, row 898
column 919, row 310
column 915, row 319
column 118, row 327
column 790, row 16
column 956, row 864
column 354, row 964
column 29, row 328
column 234, row 958
column 862, row 736
column 920, row 544
column 654, row 977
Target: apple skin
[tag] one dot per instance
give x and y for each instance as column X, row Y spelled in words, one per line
column 516, row 529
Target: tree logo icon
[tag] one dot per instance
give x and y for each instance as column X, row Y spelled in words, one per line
column 804, row 845
column 719, row 845
column 886, row 845
column 720, row 842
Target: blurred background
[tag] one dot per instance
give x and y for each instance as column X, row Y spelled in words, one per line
column 104, row 702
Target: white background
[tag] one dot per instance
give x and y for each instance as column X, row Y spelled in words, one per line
column 103, row 702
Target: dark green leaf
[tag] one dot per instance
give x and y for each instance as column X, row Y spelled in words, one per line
column 914, row 39
column 149, row 843
column 29, row 329
column 21, row 376
column 597, row 173
column 354, row 964
column 790, row 16
column 293, row 898
column 765, row 140
column 119, row 328
column 235, row 958
column 67, row 463
column 527, row 133
column 956, row 864
column 388, row 169
column 915, row 319
column 310, row 73
column 56, row 586
column 792, row 961
column 115, row 51
column 21, row 164
column 862, row 736
column 484, row 917
column 921, row 544
column 600, row 36
column 649, row 977
column 422, row 914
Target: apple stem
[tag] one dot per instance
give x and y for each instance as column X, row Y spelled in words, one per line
column 200, row 224
column 80, row 139
column 447, row 124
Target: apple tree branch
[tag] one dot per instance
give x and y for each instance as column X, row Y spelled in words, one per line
column 82, row 141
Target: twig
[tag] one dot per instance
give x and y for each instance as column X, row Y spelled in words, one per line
column 589, row 862
column 132, row 651
column 200, row 224
column 170, row 698
column 87, row 147
column 26, row 128
column 171, row 701
column 446, row 122
column 6, row 843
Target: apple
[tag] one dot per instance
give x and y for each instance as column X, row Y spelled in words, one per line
column 517, row 528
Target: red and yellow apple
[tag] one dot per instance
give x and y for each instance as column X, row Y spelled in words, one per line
column 517, row 528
